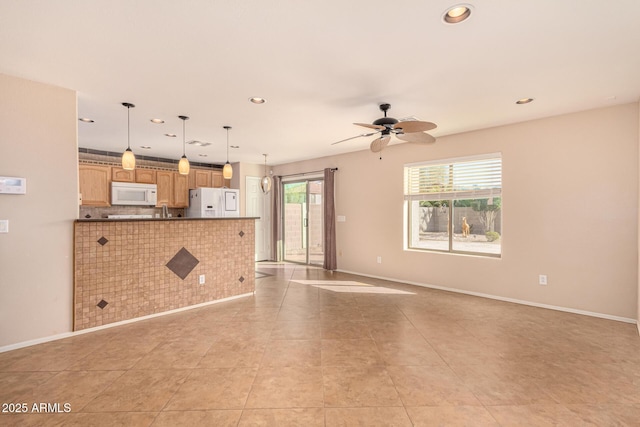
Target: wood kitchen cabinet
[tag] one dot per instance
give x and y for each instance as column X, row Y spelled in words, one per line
column 145, row 176
column 139, row 175
column 122, row 175
column 217, row 180
column 164, row 180
column 95, row 182
column 199, row 178
column 180, row 196
column 207, row 178
column 173, row 189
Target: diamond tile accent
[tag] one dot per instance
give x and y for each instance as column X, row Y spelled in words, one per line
column 241, row 233
column 103, row 241
column 182, row 263
column 241, row 279
column 102, row 304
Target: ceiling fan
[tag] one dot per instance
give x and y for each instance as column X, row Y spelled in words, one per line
column 410, row 131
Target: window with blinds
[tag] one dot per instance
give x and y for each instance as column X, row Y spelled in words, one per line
column 455, row 205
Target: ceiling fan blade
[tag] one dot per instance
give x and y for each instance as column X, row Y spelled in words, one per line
column 354, row 137
column 414, row 126
column 420, row 137
column 378, row 144
column 367, row 125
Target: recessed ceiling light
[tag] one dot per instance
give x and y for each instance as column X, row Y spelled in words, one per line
column 198, row 143
column 157, row 121
column 146, row 147
column 257, row 100
column 457, row 14
column 86, row 120
column 170, row 135
column 524, row 101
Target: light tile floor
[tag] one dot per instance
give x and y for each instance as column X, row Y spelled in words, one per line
column 313, row 348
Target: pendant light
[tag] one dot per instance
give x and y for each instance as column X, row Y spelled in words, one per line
column 265, row 182
column 128, row 158
column 183, row 164
column 227, row 170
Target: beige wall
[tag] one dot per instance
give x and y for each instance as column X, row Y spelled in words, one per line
column 570, row 196
column 39, row 142
column 240, row 172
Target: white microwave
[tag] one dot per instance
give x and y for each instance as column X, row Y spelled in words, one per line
column 126, row 193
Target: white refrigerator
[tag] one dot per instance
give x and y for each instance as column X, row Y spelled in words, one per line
column 213, row 203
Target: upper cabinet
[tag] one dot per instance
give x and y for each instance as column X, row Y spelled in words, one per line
column 95, row 182
column 145, row 176
column 122, row 175
column 180, row 191
column 164, row 179
column 207, row 178
column 199, row 178
column 217, row 179
column 173, row 189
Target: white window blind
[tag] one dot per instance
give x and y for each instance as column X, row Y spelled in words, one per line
column 467, row 178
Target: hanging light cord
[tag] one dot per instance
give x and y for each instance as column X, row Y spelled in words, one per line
column 184, row 152
column 128, row 128
column 227, row 145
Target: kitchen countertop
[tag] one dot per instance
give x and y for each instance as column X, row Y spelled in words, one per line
column 160, row 219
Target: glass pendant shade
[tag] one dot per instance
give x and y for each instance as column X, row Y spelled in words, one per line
column 227, row 171
column 265, row 184
column 183, row 166
column 128, row 160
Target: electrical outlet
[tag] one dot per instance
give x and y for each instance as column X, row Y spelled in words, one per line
column 542, row 279
column 379, row 259
column 201, row 279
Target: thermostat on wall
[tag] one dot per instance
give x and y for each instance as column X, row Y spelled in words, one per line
column 13, row 185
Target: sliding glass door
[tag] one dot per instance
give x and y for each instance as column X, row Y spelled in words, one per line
column 303, row 221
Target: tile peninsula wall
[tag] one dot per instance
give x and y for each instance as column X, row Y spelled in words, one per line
column 126, row 269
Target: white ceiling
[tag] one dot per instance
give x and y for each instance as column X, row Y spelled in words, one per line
column 322, row 65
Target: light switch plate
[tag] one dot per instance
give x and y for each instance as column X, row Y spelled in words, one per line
column 4, row 225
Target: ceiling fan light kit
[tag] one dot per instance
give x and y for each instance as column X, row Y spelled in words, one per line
column 409, row 131
column 128, row 158
column 266, row 181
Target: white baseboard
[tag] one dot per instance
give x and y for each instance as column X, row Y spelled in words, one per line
column 499, row 298
column 112, row 325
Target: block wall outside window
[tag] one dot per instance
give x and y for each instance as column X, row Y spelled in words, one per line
column 455, row 205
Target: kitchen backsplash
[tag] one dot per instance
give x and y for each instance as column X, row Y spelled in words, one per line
column 103, row 212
